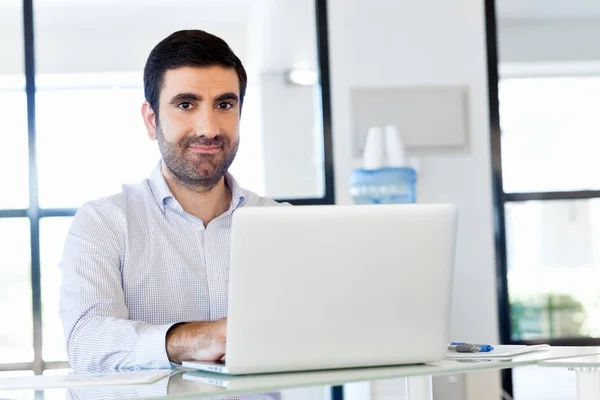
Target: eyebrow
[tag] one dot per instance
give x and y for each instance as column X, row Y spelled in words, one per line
column 228, row 96
column 194, row 97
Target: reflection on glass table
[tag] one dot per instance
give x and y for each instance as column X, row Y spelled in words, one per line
column 587, row 374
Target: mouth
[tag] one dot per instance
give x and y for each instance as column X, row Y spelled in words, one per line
column 205, row 149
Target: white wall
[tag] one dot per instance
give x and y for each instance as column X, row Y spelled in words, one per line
column 290, row 129
column 381, row 43
column 282, row 36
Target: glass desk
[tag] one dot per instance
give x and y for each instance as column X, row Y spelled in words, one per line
column 587, row 373
column 411, row 382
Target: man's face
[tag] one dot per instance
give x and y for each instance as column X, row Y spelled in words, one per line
column 197, row 128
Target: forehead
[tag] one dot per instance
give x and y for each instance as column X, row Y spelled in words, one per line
column 211, row 80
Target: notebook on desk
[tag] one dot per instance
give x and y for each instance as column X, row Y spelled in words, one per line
column 500, row 352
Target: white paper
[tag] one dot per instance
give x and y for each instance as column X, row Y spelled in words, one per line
column 500, row 352
column 81, row 380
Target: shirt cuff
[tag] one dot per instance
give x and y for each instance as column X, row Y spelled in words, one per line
column 151, row 347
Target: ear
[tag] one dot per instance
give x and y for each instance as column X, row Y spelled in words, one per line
column 149, row 120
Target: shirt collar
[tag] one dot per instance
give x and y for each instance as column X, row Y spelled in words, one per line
column 238, row 195
column 161, row 191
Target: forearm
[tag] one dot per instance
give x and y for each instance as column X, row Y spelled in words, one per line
column 202, row 341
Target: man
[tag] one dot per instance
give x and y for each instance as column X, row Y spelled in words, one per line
column 145, row 272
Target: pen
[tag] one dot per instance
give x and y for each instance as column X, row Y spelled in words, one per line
column 464, row 348
column 482, row 347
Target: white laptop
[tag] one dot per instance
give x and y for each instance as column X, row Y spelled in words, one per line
column 327, row 287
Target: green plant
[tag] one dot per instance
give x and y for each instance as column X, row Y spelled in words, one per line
column 546, row 315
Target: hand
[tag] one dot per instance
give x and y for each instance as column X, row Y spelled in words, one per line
column 197, row 341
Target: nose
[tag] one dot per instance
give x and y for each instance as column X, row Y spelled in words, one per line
column 207, row 123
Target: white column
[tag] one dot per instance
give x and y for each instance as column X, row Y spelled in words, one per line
column 419, row 388
column 588, row 385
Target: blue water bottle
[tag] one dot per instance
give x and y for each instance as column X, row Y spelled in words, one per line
column 376, row 183
column 388, row 185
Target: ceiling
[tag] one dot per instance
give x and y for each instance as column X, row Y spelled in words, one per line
column 547, row 9
column 505, row 9
column 113, row 3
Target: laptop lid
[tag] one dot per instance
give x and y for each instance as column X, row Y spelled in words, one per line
column 320, row 287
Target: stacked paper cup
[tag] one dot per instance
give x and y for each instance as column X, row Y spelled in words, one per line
column 396, row 153
column 374, row 153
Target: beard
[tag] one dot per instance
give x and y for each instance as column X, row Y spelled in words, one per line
column 195, row 170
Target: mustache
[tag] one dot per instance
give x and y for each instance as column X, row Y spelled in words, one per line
column 217, row 141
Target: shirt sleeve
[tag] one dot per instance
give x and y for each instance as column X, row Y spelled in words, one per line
column 98, row 333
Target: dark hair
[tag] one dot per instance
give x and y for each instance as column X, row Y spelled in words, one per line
column 188, row 48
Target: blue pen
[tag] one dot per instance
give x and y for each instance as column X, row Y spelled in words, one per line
column 464, row 348
column 484, row 348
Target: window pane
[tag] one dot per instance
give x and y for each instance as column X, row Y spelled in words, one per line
column 13, row 135
column 16, row 337
column 90, row 142
column 553, row 250
column 550, row 134
column 53, row 232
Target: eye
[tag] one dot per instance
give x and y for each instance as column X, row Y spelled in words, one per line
column 224, row 105
column 185, row 105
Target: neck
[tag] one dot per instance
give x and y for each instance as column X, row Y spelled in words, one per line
column 204, row 203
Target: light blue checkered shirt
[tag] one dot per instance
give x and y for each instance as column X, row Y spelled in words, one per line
column 136, row 263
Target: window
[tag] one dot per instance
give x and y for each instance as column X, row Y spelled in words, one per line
column 552, row 205
column 550, row 135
